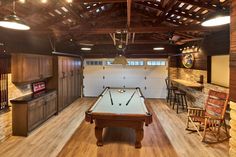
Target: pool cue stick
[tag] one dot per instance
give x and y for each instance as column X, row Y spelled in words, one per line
column 130, row 98
column 111, row 98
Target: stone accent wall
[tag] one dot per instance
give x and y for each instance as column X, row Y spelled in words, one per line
column 195, row 97
column 173, row 73
column 15, row 91
column 232, row 141
column 191, row 74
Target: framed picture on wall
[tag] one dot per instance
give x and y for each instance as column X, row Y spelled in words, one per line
column 188, row 60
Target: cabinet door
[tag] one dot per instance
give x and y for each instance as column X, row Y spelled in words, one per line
column 60, row 94
column 50, row 107
column 35, row 113
column 46, row 66
column 78, row 78
column 30, row 68
column 69, row 85
column 73, row 76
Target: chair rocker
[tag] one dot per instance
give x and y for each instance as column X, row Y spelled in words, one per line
column 211, row 119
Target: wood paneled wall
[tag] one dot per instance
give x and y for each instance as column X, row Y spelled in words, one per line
column 24, row 42
column 5, row 63
column 232, row 144
column 217, row 43
column 214, row 44
column 233, row 53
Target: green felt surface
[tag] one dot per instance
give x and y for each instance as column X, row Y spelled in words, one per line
column 135, row 106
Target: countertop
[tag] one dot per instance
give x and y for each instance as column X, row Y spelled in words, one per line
column 188, row 83
column 31, row 97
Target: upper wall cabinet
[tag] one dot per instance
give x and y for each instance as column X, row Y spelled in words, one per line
column 28, row 68
column 46, row 66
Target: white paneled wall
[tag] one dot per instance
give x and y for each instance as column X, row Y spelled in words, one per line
column 151, row 79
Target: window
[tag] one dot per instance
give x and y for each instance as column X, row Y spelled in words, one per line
column 94, row 62
column 220, row 70
column 136, row 63
column 156, row 63
column 108, row 63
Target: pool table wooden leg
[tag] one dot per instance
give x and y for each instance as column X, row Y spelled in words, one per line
column 139, row 137
column 98, row 134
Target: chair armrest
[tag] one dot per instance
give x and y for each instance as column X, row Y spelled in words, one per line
column 213, row 121
column 195, row 108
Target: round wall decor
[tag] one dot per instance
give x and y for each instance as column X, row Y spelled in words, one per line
column 188, row 60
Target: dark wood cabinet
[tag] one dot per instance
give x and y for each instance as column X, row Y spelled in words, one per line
column 66, row 80
column 35, row 113
column 26, row 116
column 46, row 67
column 28, row 68
column 50, row 107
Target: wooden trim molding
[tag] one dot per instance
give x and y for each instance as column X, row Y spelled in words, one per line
column 232, row 123
column 232, row 142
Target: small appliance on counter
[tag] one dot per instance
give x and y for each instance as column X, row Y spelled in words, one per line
column 38, row 88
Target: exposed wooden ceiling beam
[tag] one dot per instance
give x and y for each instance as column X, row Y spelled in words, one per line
column 106, row 1
column 173, row 11
column 202, row 5
column 192, row 28
column 137, row 42
column 168, row 7
column 129, row 12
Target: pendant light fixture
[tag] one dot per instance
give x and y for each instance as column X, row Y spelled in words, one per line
column 13, row 21
column 120, row 46
column 120, row 59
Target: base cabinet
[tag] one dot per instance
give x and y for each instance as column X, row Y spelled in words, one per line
column 35, row 113
column 50, row 105
column 29, row 115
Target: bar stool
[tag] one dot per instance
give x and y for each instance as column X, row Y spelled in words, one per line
column 179, row 99
column 170, row 90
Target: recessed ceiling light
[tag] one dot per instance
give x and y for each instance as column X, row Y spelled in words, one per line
column 64, row 9
column 57, row 11
column 44, row 1
column 158, row 48
column 69, row 1
column 86, row 48
column 222, row 20
column 22, row 1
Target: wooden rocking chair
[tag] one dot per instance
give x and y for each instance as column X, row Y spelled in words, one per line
column 211, row 118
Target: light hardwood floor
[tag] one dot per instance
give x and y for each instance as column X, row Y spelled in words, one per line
column 52, row 136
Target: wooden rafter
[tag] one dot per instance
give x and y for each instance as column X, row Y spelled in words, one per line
column 194, row 28
column 128, row 12
column 106, row 1
column 202, row 5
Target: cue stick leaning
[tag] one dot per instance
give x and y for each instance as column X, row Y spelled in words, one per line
column 111, row 98
column 130, row 98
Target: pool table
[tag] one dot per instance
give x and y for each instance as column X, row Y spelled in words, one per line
column 119, row 108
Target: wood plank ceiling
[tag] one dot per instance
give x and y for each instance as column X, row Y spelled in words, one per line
column 95, row 22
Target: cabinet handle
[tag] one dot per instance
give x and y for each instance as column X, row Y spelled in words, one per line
column 63, row 74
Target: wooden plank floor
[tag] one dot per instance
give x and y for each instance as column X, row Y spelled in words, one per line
column 51, row 137
column 5, row 125
column 119, row 142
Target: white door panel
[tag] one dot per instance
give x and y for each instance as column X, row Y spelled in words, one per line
column 93, row 80
column 155, row 88
column 150, row 79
